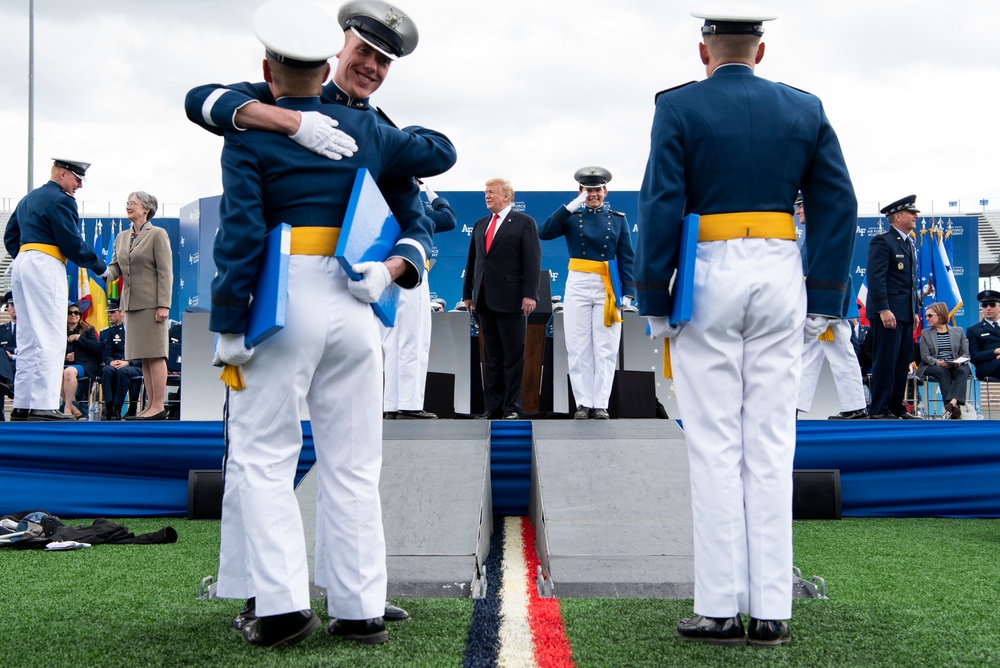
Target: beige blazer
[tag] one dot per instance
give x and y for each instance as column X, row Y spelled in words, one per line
column 146, row 268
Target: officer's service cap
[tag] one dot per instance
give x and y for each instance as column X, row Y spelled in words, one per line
column 907, row 203
column 8, row 298
column 735, row 19
column 988, row 296
column 592, row 177
column 385, row 28
column 296, row 33
column 113, row 305
column 75, row 166
column 798, row 199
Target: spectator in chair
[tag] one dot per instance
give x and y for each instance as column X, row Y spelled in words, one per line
column 984, row 338
column 117, row 373
column 944, row 358
column 83, row 355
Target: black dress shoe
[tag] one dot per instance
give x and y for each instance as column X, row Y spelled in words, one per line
column 511, row 416
column 19, row 415
column 582, row 413
column 768, row 632
column 389, row 415
column 35, row 415
column 162, row 415
column 600, row 414
column 859, row 414
column 367, row 631
column 713, row 630
column 279, row 630
column 883, row 416
column 907, row 416
column 247, row 615
column 415, row 415
column 394, row 614
column 488, row 415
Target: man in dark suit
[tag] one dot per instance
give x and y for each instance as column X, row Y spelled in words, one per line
column 892, row 307
column 984, row 337
column 119, row 376
column 8, row 350
column 501, row 286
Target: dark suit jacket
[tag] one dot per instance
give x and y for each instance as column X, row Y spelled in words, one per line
column 892, row 277
column 510, row 269
column 983, row 340
column 86, row 351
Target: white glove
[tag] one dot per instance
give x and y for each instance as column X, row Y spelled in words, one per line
column 231, row 349
column 319, row 133
column 374, row 280
column 660, row 328
column 578, row 202
column 431, row 195
column 816, row 325
column 626, row 301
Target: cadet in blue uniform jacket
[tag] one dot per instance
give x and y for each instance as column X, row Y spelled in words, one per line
column 119, row 376
column 42, row 233
column 736, row 148
column 891, row 274
column 8, row 352
column 984, row 337
column 595, row 235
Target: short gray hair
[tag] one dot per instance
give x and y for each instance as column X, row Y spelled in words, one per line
column 147, row 201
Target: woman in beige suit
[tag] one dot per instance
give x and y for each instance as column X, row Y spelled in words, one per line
column 944, row 357
column 143, row 259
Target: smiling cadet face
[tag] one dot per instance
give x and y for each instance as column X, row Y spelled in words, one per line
column 360, row 68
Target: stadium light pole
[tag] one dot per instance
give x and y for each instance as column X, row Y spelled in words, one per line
column 31, row 92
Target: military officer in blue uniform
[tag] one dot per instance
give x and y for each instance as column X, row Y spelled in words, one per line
column 375, row 34
column 892, row 306
column 42, row 233
column 328, row 354
column 119, row 376
column 407, row 345
column 735, row 148
column 984, row 337
column 596, row 235
column 8, row 351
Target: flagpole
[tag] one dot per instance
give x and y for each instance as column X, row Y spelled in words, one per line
column 31, row 93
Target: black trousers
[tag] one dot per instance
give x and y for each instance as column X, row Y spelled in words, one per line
column 503, row 359
column 117, row 383
column 891, row 353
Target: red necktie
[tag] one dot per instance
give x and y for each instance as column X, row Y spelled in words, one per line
column 490, row 231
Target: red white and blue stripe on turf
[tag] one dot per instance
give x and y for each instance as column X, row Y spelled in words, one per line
column 512, row 625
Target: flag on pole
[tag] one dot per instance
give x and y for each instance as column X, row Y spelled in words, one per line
column 862, row 298
column 945, row 285
column 925, row 264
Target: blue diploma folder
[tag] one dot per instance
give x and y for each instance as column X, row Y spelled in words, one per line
column 369, row 234
column 266, row 315
column 683, row 292
column 616, row 281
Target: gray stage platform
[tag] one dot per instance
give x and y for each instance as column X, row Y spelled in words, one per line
column 436, row 506
column 611, row 505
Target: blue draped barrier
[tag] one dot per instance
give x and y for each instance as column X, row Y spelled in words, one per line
column 96, row 469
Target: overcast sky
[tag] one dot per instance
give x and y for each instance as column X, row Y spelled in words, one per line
column 527, row 89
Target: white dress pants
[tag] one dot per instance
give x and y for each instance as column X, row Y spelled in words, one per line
column 407, row 348
column 328, row 355
column 843, row 365
column 736, row 365
column 41, row 293
column 591, row 348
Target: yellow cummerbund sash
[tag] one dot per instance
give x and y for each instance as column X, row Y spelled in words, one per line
column 611, row 315
column 48, row 249
column 427, row 265
column 314, row 240
column 750, row 224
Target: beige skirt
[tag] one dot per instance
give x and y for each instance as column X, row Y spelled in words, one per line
column 144, row 337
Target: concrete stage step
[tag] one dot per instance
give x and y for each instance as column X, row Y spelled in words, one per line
column 611, row 505
column 436, row 506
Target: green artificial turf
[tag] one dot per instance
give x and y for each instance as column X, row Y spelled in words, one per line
column 903, row 592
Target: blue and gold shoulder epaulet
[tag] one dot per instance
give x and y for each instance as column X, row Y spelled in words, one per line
column 667, row 90
column 794, row 88
column 616, row 213
column 385, row 117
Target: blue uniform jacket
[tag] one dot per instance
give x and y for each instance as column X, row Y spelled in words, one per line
column 441, row 214
column 984, row 338
column 214, row 106
column 113, row 345
column 891, row 273
column 48, row 215
column 737, row 143
column 8, row 338
column 268, row 179
column 594, row 234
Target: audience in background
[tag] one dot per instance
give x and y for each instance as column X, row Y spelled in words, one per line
column 984, row 337
column 8, row 352
column 944, row 357
column 119, row 377
column 82, row 355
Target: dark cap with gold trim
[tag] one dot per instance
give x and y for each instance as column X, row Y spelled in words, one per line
column 75, row 166
column 907, row 203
